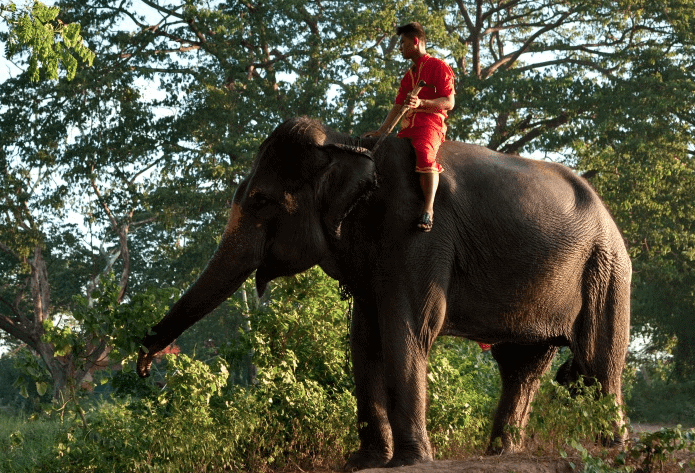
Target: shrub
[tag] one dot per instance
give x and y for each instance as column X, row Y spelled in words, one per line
column 464, row 386
column 578, row 412
column 298, row 411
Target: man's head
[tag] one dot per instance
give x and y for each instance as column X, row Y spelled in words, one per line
column 412, row 41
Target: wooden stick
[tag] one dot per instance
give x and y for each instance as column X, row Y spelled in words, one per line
column 403, row 111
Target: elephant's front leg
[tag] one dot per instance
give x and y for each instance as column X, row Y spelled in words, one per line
column 406, row 339
column 406, row 387
column 376, row 444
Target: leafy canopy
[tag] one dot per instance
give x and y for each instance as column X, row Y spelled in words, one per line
column 51, row 42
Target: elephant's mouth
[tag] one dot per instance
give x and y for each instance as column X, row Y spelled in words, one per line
column 268, row 271
column 262, row 280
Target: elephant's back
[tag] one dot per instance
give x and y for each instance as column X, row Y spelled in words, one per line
column 506, row 201
column 520, row 185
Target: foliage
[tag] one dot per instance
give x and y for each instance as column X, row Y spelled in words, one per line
column 303, row 328
column 657, row 447
column 650, row 452
column 647, row 404
column 37, row 30
column 464, row 388
column 26, row 444
column 296, row 411
column 304, row 382
column 575, row 412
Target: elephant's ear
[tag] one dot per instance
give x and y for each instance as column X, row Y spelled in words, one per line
column 349, row 177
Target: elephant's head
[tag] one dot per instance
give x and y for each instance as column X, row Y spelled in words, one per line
column 303, row 183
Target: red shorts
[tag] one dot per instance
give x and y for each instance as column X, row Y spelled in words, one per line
column 426, row 142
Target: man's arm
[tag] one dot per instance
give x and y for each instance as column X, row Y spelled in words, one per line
column 427, row 105
column 431, row 105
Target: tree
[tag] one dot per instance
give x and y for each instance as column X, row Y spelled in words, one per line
column 129, row 167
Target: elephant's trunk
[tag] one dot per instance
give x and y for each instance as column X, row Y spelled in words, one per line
column 236, row 257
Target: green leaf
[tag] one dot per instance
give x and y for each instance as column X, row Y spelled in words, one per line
column 41, row 388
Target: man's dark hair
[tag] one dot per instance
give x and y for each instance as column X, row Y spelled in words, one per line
column 412, row 30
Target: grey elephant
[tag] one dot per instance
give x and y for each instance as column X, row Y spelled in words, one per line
column 523, row 256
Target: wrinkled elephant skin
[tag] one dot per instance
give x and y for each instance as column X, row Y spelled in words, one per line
column 523, row 255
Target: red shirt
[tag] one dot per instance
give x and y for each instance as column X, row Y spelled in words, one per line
column 434, row 72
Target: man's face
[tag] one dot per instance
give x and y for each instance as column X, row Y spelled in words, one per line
column 407, row 47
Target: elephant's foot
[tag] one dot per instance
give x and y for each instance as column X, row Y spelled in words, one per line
column 499, row 447
column 363, row 459
column 408, row 460
column 612, row 441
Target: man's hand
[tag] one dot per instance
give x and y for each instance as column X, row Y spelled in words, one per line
column 412, row 101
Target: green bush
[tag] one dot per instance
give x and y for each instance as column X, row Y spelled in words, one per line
column 298, row 411
column 578, row 412
column 463, row 389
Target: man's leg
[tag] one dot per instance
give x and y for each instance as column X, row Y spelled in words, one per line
column 429, row 182
column 426, row 146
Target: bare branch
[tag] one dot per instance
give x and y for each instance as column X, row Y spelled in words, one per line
column 182, row 49
column 538, row 130
column 122, row 233
column 466, row 15
column 608, row 72
column 163, row 70
column 105, row 206
column 160, row 8
column 197, row 31
column 143, row 222
column 510, row 59
column 14, row 329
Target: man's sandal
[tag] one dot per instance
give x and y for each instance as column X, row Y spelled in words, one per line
column 425, row 222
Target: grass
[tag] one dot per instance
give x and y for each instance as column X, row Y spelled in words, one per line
column 25, row 444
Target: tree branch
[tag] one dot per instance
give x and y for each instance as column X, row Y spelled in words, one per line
column 40, row 290
column 608, row 72
column 160, row 8
column 8, row 250
column 536, row 132
column 10, row 326
column 510, row 59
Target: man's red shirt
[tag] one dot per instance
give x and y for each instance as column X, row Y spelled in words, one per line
column 440, row 83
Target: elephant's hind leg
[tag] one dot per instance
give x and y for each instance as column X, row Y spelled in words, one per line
column 603, row 334
column 520, row 369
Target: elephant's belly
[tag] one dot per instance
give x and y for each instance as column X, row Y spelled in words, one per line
column 544, row 319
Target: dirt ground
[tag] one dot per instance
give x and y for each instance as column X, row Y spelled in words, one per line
column 503, row 464
column 519, row 463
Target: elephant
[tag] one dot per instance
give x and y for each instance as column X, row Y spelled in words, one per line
column 523, row 256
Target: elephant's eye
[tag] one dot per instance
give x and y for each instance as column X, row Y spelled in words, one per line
column 261, row 200
column 263, row 205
